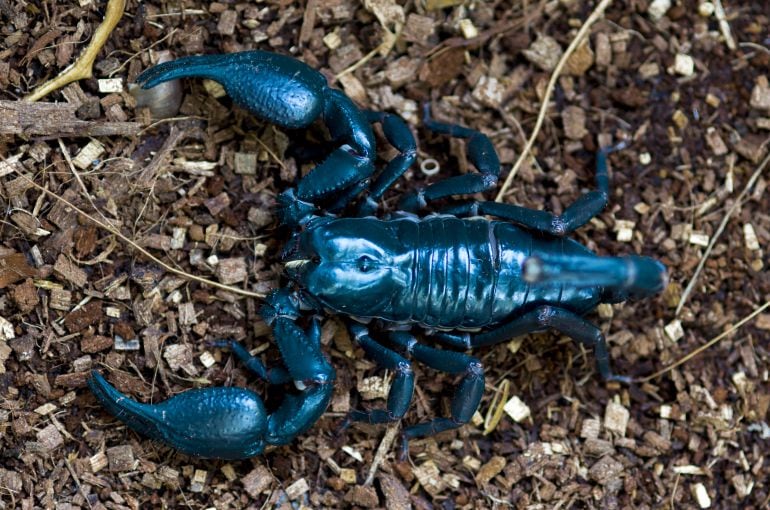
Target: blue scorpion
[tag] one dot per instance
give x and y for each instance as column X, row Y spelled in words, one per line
column 466, row 279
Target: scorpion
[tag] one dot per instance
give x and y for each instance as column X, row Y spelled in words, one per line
column 476, row 274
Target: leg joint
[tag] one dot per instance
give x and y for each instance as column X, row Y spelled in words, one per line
column 475, row 368
column 489, row 180
column 545, row 315
column 558, row 227
column 404, row 367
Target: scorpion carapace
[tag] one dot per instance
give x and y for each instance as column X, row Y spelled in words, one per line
column 478, row 274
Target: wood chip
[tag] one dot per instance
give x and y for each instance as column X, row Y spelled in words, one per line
column 218, row 203
column 590, row 429
column 683, row 65
column 50, row 437
column 402, row 71
column 715, row 142
column 232, row 270
column 690, row 470
column 658, row 9
column 701, row 495
column 151, row 481
column 332, row 40
column 625, row 230
column 544, row 52
column 418, row 29
column 83, row 317
column 760, row 94
column 88, row 155
column 372, row 388
column 616, row 418
column 517, row 409
column 699, row 238
column 363, row 496
column 169, row 475
column 187, row 314
column 649, row 70
column 396, row 495
column 257, row 481
column 121, row 458
column 67, row 270
column 13, row 268
column 198, row 480
column 227, row 22
column 348, row 476
column 674, row 330
column 574, row 120
column 490, row 470
column 98, row 462
column 581, row 59
column 468, row 29
column 752, row 147
column 180, row 356
column 297, row 489
column 110, row 85
column 46, row 408
column 25, row 296
column 245, row 163
column 429, row 477
column 750, row 237
column 605, row 471
column 91, row 344
column 206, row 359
column 126, row 344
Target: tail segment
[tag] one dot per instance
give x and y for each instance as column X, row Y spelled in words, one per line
column 622, row 277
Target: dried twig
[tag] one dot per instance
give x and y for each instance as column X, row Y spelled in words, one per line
column 133, row 244
column 724, row 26
column 83, row 66
column 582, row 33
column 705, row 346
column 385, row 46
column 54, row 120
column 718, row 233
column 382, row 451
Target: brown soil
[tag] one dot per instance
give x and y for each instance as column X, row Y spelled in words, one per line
column 75, row 297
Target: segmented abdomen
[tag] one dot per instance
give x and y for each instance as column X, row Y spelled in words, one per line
column 466, row 273
column 455, row 269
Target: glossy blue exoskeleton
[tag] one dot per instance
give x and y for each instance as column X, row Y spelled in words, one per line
column 478, row 274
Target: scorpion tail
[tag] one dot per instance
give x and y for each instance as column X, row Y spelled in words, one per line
column 621, row 277
column 224, row 423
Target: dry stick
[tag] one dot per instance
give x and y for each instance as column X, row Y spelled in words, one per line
column 382, row 451
column 724, row 26
column 121, row 236
column 83, row 66
column 387, row 44
column 595, row 15
column 719, row 231
column 705, row 346
column 77, row 481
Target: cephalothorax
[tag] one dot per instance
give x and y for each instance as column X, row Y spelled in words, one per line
column 478, row 274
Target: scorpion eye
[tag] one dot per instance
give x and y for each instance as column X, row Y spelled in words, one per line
column 364, row 264
column 315, row 259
